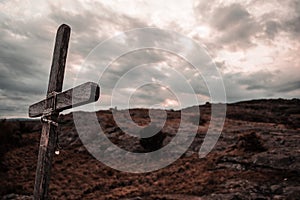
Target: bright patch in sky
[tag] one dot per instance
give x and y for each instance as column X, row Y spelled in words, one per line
column 170, row 103
column 255, row 45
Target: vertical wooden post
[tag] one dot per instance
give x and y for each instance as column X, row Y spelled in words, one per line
column 49, row 134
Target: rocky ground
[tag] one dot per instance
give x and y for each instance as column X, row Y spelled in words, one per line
column 256, row 157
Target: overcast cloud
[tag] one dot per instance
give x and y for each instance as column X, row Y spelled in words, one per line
column 255, row 45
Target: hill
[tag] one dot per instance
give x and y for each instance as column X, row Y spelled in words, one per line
column 256, row 157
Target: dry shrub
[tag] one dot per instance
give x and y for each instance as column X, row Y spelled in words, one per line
column 153, row 142
column 250, row 142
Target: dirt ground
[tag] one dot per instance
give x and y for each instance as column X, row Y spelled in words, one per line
column 257, row 157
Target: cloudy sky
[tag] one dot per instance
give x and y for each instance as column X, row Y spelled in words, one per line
column 254, row 44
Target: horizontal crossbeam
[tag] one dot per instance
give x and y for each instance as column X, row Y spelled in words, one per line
column 80, row 95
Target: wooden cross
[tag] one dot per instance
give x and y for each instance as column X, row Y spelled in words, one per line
column 55, row 102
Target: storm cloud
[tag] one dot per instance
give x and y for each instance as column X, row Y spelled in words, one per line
column 254, row 44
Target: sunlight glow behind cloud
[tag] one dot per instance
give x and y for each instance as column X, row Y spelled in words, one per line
column 255, row 44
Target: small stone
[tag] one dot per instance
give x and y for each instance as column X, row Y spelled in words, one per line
column 276, row 189
column 278, row 197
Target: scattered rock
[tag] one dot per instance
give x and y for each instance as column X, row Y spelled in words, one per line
column 256, row 157
column 16, row 197
column 276, row 189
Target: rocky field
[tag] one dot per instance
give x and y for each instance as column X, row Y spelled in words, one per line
column 256, row 157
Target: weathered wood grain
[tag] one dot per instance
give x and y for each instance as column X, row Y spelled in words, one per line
column 49, row 133
column 80, row 95
column 59, row 59
column 55, row 102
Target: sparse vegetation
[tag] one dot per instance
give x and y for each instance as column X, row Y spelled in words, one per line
column 258, row 151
